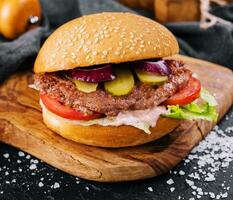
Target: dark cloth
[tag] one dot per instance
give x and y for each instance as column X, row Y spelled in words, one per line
column 214, row 44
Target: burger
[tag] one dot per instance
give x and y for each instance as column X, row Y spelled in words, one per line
column 105, row 80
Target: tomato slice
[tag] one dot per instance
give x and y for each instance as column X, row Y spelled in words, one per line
column 63, row 111
column 186, row 95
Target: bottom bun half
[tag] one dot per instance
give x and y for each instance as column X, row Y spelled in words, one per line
column 107, row 136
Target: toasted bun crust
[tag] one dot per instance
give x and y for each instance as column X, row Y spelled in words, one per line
column 104, row 38
column 107, row 136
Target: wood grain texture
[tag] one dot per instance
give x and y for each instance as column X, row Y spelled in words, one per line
column 21, row 126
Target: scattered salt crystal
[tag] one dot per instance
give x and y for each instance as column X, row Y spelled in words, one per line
column 32, row 167
column 36, row 161
column 170, row 181
column 56, row 185
column 87, row 188
column 212, row 155
column 181, row 172
column 6, row 155
column 194, row 187
column 21, row 154
column 41, row 184
column 229, row 129
column 150, row 189
column 172, row 189
column 189, row 182
column 194, row 175
column 210, row 177
column 224, row 195
column 212, row 195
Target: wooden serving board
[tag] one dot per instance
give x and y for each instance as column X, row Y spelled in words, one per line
column 21, row 126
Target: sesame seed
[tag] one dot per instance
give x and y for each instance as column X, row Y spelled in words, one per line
column 131, row 48
column 105, row 53
column 87, row 57
column 96, row 40
column 73, row 56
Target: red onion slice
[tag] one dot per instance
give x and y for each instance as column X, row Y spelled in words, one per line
column 94, row 75
column 159, row 67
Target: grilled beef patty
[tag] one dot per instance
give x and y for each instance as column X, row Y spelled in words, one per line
column 143, row 96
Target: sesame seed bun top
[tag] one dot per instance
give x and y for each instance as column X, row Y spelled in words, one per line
column 104, row 38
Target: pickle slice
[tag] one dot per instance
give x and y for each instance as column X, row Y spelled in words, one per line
column 122, row 85
column 85, row 87
column 154, row 79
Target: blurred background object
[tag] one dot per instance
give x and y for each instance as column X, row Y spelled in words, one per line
column 176, row 10
column 144, row 4
column 18, row 16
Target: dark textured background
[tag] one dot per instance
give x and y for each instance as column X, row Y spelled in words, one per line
column 18, row 181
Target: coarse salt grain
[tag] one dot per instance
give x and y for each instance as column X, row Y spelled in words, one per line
column 212, row 155
column 181, row 172
column 6, row 155
column 21, row 154
column 172, row 189
column 41, row 184
column 56, row 185
column 32, row 167
column 170, row 181
column 150, row 189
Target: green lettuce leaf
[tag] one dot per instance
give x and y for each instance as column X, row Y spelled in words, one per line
column 206, row 110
